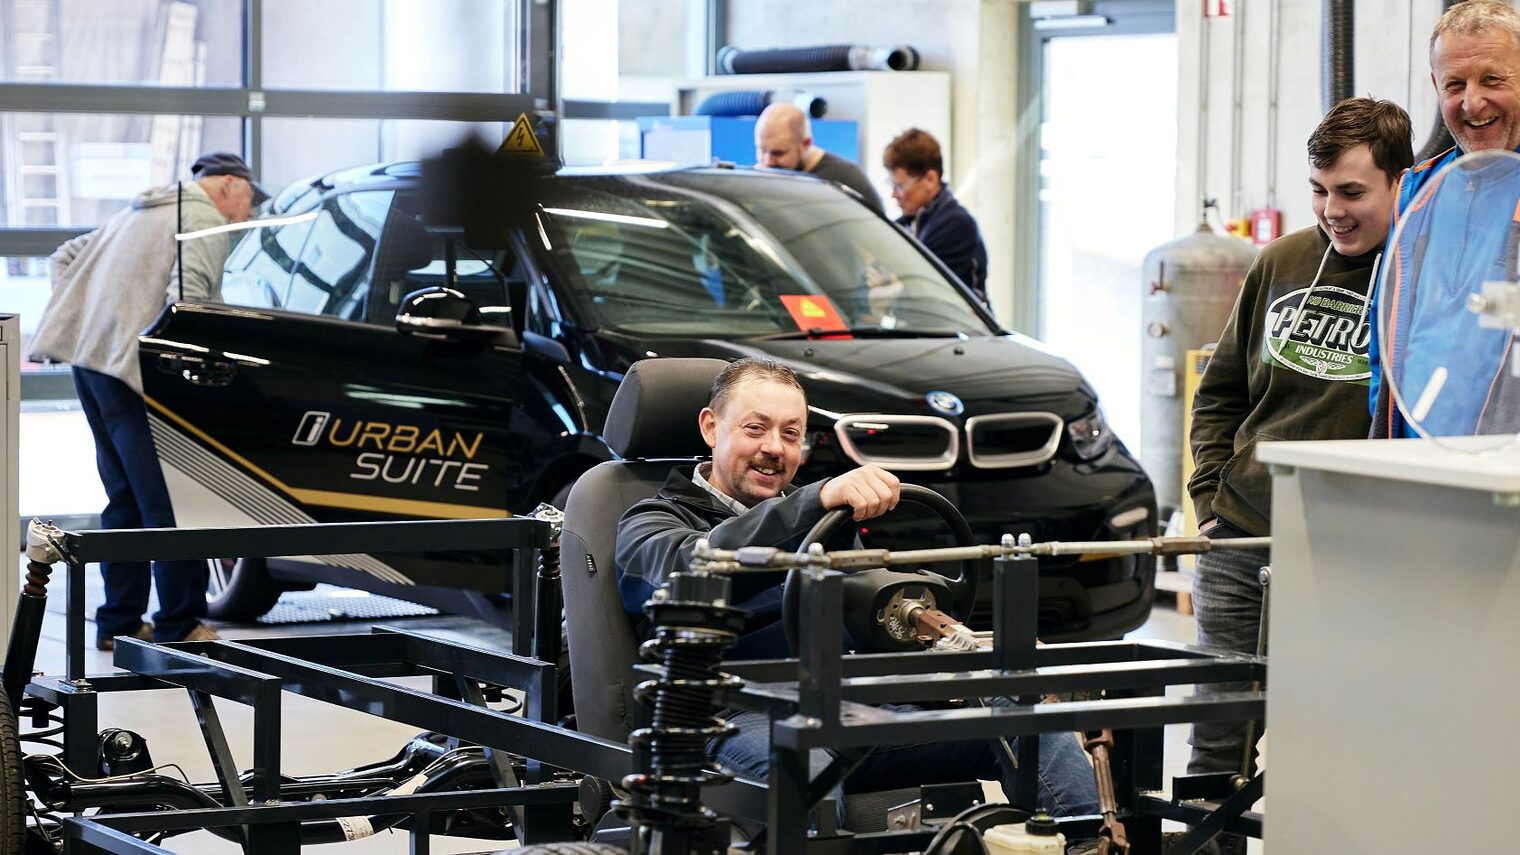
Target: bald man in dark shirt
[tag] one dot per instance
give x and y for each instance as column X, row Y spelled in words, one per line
column 784, row 140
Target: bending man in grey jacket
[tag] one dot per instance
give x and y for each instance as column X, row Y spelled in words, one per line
column 108, row 286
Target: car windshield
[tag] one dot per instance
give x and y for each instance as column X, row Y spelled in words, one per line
column 745, row 255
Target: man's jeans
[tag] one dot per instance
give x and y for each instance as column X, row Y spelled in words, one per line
column 1227, row 600
column 1067, row 787
column 136, row 497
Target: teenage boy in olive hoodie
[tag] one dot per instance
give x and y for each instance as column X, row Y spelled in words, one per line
column 1291, row 365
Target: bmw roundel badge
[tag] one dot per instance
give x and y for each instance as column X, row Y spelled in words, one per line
column 946, row 403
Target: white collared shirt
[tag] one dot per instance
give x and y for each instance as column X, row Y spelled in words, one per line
column 699, row 477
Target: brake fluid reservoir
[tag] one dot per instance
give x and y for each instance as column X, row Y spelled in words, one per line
column 1038, row 836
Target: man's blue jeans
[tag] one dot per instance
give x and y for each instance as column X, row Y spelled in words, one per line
column 136, row 497
column 1067, row 787
column 1227, row 601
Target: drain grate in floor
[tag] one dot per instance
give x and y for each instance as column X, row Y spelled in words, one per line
column 328, row 603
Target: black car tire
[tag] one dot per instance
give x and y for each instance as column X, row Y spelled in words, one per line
column 12, row 790
column 248, row 593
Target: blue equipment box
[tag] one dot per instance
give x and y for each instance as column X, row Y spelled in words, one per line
column 699, row 140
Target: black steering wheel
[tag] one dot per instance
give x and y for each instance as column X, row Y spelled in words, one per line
column 962, row 587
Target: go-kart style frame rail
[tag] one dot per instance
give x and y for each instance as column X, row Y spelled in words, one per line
column 826, row 700
column 346, row 670
column 817, row 700
column 522, row 537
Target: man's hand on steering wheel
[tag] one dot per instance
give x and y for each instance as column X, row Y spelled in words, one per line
column 957, row 594
column 868, row 492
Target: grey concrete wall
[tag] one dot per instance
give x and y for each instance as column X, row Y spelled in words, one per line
column 1253, row 154
column 652, row 38
column 976, row 41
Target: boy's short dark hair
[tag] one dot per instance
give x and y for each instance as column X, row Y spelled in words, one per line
column 748, row 370
column 1382, row 125
column 915, row 152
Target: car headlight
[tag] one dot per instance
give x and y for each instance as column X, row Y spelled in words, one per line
column 1090, row 435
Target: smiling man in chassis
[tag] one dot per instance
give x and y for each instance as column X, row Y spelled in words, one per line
column 754, row 424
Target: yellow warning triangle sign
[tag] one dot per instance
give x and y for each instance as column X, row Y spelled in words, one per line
column 811, row 309
column 521, row 139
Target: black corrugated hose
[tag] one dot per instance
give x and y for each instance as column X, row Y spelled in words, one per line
column 732, row 60
column 1338, row 67
column 746, row 103
column 750, row 102
column 1440, row 138
column 1337, row 56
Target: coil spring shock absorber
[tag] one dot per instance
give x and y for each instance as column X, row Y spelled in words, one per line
column 549, row 609
column 693, row 626
column 43, row 548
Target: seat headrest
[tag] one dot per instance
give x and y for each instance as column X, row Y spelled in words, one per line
column 654, row 413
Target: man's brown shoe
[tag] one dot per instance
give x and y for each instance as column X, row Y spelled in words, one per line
column 201, row 632
column 143, row 633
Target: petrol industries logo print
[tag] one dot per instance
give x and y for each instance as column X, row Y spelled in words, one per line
column 1327, row 338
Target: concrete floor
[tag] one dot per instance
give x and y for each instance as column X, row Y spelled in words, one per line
column 317, row 737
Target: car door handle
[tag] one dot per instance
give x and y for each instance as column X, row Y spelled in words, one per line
column 198, row 370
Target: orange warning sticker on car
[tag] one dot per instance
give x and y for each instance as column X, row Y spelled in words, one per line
column 813, row 312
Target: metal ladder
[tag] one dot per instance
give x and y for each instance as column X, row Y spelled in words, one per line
column 33, row 142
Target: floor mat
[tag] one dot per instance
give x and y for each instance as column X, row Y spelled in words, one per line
column 322, row 604
column 329, row 603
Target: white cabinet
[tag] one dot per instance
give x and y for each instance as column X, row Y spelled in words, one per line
column 1395, row 623
column 10, row 446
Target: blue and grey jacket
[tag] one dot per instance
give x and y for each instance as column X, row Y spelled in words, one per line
column 1455, row 235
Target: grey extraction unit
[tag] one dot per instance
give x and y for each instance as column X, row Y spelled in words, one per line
column 1191, row 285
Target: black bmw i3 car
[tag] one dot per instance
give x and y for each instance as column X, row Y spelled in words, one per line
column 365, row 367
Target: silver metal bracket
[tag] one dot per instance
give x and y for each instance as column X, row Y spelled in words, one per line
column 44, row 542
column 555, row 517
column 1497, row 305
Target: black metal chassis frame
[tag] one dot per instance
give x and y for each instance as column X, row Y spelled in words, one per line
column 820, row 700
column 824, row 699
column 346, row 670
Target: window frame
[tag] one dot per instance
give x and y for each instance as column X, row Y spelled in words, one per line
column 252, row 102
column 535, row 69
column 1125, row 17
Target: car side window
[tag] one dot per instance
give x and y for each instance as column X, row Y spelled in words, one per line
column 411, row 258
column 334, row 272
column 543, row 309
column 258, row 269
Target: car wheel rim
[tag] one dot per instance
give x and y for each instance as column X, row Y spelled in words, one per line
column 222, row 570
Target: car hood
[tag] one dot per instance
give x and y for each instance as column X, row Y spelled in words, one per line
column 990, row 374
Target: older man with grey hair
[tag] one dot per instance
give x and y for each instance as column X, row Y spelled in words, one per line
column 108, row 286
column 784, row 140
column 1475, row 68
